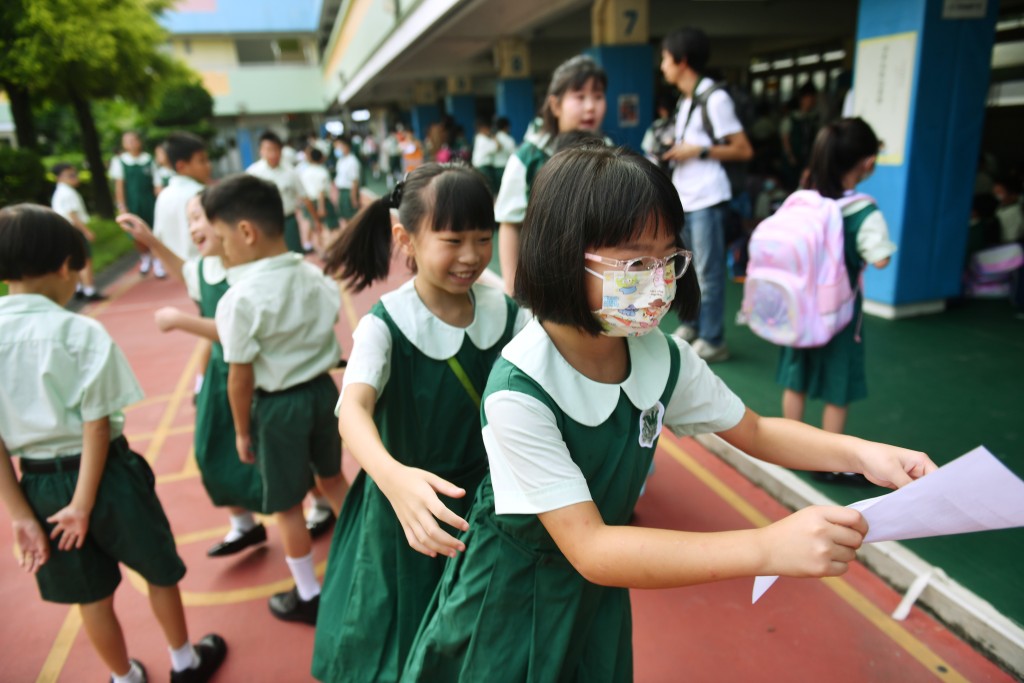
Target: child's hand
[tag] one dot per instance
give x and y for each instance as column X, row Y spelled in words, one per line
column 136, row 227
column 32, row 544
column 813, row 542
column 413, row 494
column 243, row 444
column 167, row 318
column 72, row 524
column 892, row 466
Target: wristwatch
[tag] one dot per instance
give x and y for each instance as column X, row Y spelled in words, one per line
column 705, row 152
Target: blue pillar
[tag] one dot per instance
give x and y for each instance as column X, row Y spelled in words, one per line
column 462, row 108
column 630, row 94
column 926, row 195
column 513, row 99
column 423, row 115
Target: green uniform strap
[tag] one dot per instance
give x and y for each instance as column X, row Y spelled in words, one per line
column 533, row 157
column 457, row 368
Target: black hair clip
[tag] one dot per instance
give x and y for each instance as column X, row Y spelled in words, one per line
column 395, row 199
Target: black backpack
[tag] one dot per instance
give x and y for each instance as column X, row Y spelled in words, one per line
column 743, row 104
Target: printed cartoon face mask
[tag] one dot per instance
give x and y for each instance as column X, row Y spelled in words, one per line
column 636, row 298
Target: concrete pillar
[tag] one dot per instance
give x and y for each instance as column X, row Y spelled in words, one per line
column 425, row 111
column 921, row 77
column 460, row 104
column 513, row 96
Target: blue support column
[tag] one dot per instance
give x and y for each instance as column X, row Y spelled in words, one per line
column 513, row 99
column 630, row 93
column 926, row 199
column 423, row 116
column 462, row 108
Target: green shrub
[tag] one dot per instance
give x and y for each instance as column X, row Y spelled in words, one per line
column 111, row 243
column 22, row 177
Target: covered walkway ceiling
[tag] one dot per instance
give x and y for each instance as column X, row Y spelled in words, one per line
column 459, row 41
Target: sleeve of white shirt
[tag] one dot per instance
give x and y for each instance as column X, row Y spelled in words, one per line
column 722, row 114
column 510, row 204
column 109, row 383
column 190, row 274
column 701, row 402
column 873, row 242
column 155, row 171
column 236, row 327
column 370, row 360
column 116, row 169
column 531, row 469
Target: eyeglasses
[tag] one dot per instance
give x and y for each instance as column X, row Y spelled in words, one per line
column 679, row 262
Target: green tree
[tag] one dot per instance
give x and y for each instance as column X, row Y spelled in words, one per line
column 77, row 52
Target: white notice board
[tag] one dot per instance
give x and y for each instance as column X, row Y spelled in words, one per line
column 882, row 86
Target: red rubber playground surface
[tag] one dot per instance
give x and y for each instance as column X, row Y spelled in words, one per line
column 803, row 630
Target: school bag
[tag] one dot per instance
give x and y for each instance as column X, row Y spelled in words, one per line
column 743, row 105
column 991, row 271
column 797, row 292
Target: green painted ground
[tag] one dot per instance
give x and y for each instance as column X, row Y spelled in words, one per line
column 943, row 384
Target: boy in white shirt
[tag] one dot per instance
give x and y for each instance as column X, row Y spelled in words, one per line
column 276, row 325
column 68, row 203
column 186, row 154
column 274, row 168
column 317, row 183
column 346, row 178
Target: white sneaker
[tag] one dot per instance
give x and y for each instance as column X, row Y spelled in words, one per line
column 158, row 269
column 686, row 332
column 145, row 261
column 710, row 353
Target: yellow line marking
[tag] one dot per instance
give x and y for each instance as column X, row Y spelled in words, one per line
column 882, row 621
column 171, row 411
column 149, row 400
column 350, row 308
column 173, row 431
column 58, row 656
column 190, row 470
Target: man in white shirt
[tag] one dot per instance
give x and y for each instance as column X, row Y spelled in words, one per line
column 272, row 167
column 701, row 180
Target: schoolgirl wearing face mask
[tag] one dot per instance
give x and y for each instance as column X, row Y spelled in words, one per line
column 572, row 412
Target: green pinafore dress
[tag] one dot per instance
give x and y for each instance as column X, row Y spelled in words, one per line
column 228, row 480
column 834, row 372
column 138, row 189
column 376, row 587
column 511, row 608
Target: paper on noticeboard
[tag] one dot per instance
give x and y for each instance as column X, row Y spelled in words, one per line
column 975, row 492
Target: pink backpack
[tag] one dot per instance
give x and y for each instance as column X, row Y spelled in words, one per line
column 797, row 292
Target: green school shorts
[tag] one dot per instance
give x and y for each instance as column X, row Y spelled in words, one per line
column 127, row 525
column 295, row 436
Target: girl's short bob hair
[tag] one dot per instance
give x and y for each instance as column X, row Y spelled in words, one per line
column 434, row 196
column 586, row 198
column 36, row 241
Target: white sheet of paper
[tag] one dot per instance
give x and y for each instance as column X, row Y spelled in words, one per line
column 975, row 492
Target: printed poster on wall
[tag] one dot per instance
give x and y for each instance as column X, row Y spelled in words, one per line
column 882, row 86
column 629, row 110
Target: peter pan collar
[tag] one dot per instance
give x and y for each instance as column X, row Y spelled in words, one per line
column 588, row 402
column 261, row 266
column 214, row 271
column 436, row 338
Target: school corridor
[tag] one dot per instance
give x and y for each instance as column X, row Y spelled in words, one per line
column 801, row 632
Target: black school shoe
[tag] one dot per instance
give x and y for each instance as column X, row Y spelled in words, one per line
column 288, row 607
column 254, row 536
column 322, row 526
column 211, row 650
column 136, row 663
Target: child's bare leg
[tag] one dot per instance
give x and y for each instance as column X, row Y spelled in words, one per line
column 165, row 601
column 294, row 534
column 793, row 404
column 104, row 631
column 85, row 275
column 833, row 419
column 334, row 489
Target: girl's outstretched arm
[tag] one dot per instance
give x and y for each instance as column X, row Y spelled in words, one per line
column 412, row 492
column 33, row 545
column 799, row 446
column 142, row 233
column 817, row 541
column 170, row 318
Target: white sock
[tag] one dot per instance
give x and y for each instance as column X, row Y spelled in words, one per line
column 158, row 267
column 185, row 657
column 240, row 524
column 199, row 384
column 88, row 291
column 134, row 675
column 146, row 260
column 307, row 245
column 305, row 576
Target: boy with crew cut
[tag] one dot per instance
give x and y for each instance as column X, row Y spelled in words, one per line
column 69, row 204
column 276, row 324
column 272, row 167
column 85, row 501
column 187, row 157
